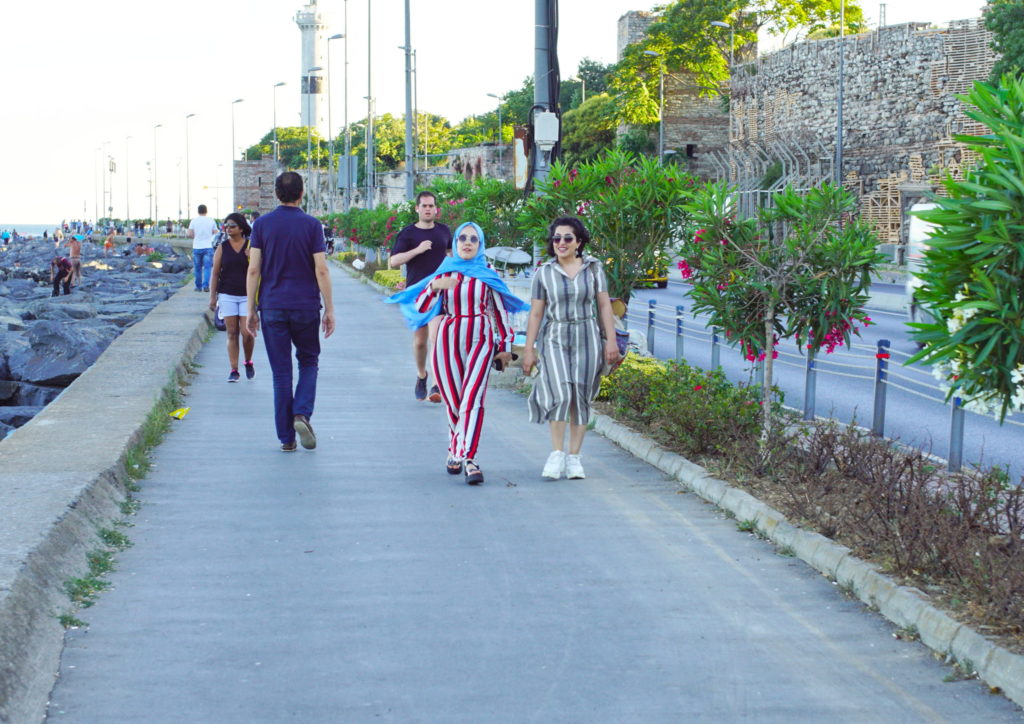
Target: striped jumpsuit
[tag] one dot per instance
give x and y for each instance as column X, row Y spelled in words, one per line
column 473, row 321
column 569, row 344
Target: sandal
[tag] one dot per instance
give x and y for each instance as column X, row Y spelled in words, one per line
column 453, row 466
column 473, row 474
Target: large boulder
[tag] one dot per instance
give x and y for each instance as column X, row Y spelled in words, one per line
column 55, row 353
column 63, row 307
column 13, row 392
column 17, row 415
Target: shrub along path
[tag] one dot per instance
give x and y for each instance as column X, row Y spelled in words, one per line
column 359, row 581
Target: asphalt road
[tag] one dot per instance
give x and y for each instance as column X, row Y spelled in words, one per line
column 845, row 388
column 359, row 582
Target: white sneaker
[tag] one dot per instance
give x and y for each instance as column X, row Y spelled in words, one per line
column 555, row 465
column 573, row 467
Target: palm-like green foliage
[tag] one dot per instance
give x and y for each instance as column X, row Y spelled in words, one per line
column 974, row 265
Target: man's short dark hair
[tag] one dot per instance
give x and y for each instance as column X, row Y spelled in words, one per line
column 202, row 209
column 288, row 187
column 421, row 194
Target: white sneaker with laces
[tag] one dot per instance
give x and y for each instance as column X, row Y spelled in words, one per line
column 555, row 465
column 573, row 467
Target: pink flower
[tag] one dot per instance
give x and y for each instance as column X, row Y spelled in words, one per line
column 698, row 387
column 609, row 180
column 557, row 183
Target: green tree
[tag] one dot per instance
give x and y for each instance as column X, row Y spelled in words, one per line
column 1005, row 19
column 975, row 262
column 589, row 129
column 793, row 270
column 633, row 208
column 292, row 147
column 687, row 43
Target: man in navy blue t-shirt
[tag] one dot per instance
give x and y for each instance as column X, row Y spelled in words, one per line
column 288, row 271
column 422, row 247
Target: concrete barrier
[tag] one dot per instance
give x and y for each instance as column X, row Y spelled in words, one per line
column 62, row 477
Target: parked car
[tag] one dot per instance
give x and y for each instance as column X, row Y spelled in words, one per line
column 919, row 233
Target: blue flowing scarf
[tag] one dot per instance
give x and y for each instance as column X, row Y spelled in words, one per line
column 476, row 267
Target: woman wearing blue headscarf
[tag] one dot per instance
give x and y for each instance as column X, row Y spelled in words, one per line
column 474, row 305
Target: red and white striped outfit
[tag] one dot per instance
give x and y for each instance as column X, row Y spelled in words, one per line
column 473, row 320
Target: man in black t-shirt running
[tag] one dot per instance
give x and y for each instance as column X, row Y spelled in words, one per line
column 422, row 247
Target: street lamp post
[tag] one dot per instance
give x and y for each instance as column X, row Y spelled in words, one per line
column 127, row 186
column 501, row 157
column 96, row 186
column 156, row 200
column 188, row 170
column 838, row 171
column 330, row 127
column 277, row 155
column 371, row 152
column 348, row 136
column 732, row 45
column 234, row 150
column 309, row 136
column 661, row 105
column 410, row 156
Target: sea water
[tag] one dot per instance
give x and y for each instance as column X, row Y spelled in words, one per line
column 29, row 229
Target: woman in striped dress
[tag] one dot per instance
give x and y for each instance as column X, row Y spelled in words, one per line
column 474, row 304
column 569, row 296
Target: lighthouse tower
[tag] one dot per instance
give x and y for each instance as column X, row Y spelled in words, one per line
column 313, row 110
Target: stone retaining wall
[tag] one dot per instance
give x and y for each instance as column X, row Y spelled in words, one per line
column 62, row 477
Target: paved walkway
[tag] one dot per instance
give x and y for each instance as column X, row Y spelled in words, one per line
column 359, row 582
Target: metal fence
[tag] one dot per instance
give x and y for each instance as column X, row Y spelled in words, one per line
column 869, row 363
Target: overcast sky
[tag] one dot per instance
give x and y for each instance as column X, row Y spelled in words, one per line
column 77, row 76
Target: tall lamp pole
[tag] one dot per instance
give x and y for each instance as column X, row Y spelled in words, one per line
column 371, row 152
column 277, row 154
column 127, row 186
column 732, row 45
column 234, row 150
column 838, row 171
column 661, row 105
column 96, row 186
column 309, row 137
column 410, row 157
column 501, row 147
column 330, row 127
column 188, row 170
column 348, row 136
column 156, row 204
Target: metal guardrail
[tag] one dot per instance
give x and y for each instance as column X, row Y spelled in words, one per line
column 874, row 366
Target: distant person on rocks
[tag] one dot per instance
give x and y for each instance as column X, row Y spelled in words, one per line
column 75, row 254
column 108, row 243
column 569, row 309
column 201, row 231
column 60, row 275
column 473, row 304
column 288, row 271
column 421, row 247
column 227, row 291
column 6, row 237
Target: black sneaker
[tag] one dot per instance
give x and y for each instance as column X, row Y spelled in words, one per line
column 435, row 394
column 421, row 388
column 305, row 432
column 234, row 376
column 289, row 446
column 250, row 370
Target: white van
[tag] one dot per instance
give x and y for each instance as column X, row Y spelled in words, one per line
column 919, row 233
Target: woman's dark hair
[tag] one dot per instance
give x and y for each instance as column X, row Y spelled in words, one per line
column 582, row 235
column 242, row 223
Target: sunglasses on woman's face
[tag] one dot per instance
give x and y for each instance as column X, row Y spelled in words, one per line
column 231, row 226
column 567, row 237
column 473, row 239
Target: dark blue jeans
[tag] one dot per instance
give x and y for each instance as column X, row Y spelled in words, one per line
column 202, row 262
column 283, row 328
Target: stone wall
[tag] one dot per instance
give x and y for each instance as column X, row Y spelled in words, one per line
column 899, row 113
column 696, row 127
column 254, row 184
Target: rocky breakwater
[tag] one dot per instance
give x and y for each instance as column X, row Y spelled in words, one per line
column 47, row 342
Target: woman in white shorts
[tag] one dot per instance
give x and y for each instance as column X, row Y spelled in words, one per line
column 227, row 290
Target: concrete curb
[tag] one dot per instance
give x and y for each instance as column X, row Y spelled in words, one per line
column 63, row 478
column 905, row 606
